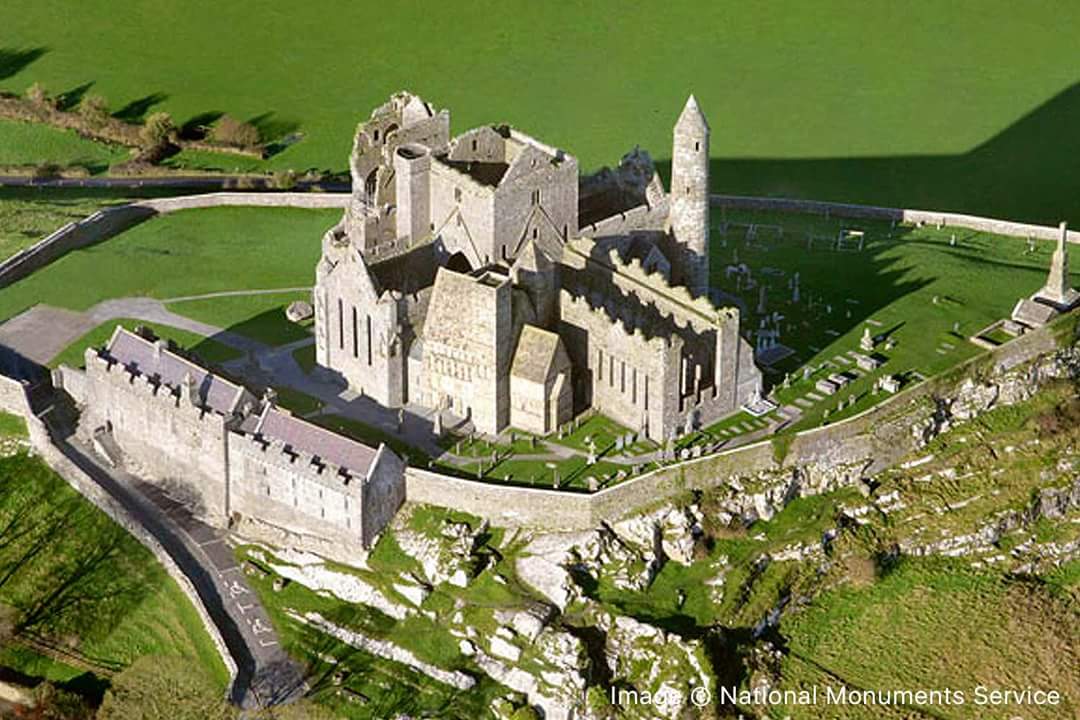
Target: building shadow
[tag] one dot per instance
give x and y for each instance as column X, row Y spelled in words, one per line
column 1028, row 172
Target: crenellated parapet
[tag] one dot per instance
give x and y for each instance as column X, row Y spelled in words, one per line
column 275, row 453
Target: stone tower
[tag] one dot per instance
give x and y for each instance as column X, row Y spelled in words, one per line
column 690, row 196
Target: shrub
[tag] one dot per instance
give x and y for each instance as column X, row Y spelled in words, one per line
column 94, row 109
column 157, row 129
column 37, row 95
column 284, row 179
column 230, row 131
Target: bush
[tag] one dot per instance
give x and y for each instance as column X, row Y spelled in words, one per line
column 157, row 129
column 37, row 95
column 230, row 131
column 284, row 179
column 94, row 109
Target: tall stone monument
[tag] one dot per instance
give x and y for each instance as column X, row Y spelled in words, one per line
column 690, row 195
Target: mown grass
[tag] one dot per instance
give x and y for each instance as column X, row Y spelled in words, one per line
column 824, row 100
column 259, row 317
column 206, row 349
column 80, row 579
column 12, row 426
column 26, row 218
column 32, row 145
column 186, row 253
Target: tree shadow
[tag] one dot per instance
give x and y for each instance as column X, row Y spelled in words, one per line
column 69, row 99
column 198, row 126
column 135, row 111
column 13, row 61
column 1030, row 172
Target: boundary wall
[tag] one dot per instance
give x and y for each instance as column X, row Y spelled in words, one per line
column 108, row 222
column 14, row 399
column 872, row 212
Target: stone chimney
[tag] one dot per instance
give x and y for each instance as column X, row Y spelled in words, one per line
column 188, row 390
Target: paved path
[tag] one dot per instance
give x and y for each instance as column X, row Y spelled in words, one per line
column 265, row 673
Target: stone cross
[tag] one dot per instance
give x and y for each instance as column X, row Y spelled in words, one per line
column 867, row 341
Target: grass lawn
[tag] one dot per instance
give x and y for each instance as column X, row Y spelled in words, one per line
column 909, row 285
column 32, row 144
column 305, row 357
column 209, row 351
column 78, row 577
column 935, row 624
column 12, row 426
column 822, row 100
column 259, row 317
column 295, row 401
column 28, row 215
column 186, row 253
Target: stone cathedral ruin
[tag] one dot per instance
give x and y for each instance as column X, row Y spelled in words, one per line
column 482, row 277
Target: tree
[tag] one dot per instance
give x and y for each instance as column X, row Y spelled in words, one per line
column 230, row 131
column 94, row 109
column 53, row 703
column 37, row 95
column 164, row 688
column 157, row 129
column 284, row 179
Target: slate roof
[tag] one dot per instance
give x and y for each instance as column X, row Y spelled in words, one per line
column 302, row 436
column 538, row 351
column 143, row 356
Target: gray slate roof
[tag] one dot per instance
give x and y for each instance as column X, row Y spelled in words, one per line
column 144, row 357
column 302, row 436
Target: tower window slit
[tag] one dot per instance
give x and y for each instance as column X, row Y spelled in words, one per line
column 341, row 324
column 355, row 335
column 368, row 323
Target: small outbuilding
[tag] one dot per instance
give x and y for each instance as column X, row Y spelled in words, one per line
column 541, row 397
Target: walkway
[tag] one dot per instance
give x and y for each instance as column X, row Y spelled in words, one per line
column 194, row 182
column 265, row 674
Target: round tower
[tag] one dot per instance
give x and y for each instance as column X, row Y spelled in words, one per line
column 689, row 215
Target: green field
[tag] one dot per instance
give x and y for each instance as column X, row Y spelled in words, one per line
column 78, row 580
column 32, row 145
column 186, row 253
column 259, row 317
column 965, row 105
column 209, row 351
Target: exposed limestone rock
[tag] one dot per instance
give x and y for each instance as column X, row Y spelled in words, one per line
column 344, row 586
column 444, row 558
column 544, row 566
column 384, row 649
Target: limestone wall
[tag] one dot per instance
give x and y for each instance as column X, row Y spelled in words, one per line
column 13, row 397
column 108, row 222
column 871, row 212
column 382, row 494
column 142, row 416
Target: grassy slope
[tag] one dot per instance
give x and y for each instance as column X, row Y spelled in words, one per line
column 31, row 144
column 184, row 253
column 28, row 215
column 208, row 350
column 123, row 607
column 856, row 101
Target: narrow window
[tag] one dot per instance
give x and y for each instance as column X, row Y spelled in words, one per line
column 355, row 335
column 697, row 147
column 611, row 371
column 536, row 197
column 622, row 376
column 599, row 364
column 475, row 145
column 368, row 339
column 341, row 324
column 375, row 135
column 633, row 387
column 457, row 194
column 536, row 233
column 645, row 395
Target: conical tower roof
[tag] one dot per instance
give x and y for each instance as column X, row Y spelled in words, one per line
column 691, row 117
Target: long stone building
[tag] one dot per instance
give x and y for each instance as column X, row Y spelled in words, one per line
column 480, row 275
column 234, row 459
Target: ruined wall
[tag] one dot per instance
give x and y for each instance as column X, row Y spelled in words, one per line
column 383, row 492
column 172, row 441
column 623, row 374
column 357, row 331
column 463, row 213
column 516, row 202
